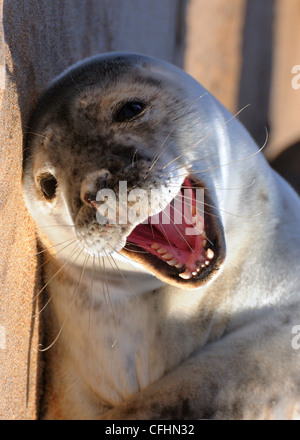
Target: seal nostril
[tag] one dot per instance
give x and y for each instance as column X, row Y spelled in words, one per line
column 92, row 183
column 90, row 199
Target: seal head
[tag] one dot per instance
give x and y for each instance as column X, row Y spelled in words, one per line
column 109, row 162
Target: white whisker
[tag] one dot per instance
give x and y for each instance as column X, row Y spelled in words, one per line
column 111, row 305
column 69, row 241
column 73, row 299
column 157, row 156
column 206, row 136
column 120, row 272
column 56, row 273
column 229, row 163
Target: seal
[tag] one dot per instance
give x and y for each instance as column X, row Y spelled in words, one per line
column 171, row 250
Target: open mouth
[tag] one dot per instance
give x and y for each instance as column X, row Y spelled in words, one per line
column 183, row 244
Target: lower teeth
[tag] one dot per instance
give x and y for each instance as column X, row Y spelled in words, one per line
column 187, row 274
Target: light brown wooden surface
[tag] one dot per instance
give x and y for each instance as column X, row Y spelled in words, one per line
column 285, row 100
column 214, row 38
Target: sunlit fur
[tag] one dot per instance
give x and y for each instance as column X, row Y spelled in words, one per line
column 122, row 341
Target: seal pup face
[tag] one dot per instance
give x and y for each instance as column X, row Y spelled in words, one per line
column 107, row 166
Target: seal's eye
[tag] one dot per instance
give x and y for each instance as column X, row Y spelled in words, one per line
column 48, row 186
column 129, row 111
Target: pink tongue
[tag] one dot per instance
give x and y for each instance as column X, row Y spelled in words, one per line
column 177, row 228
